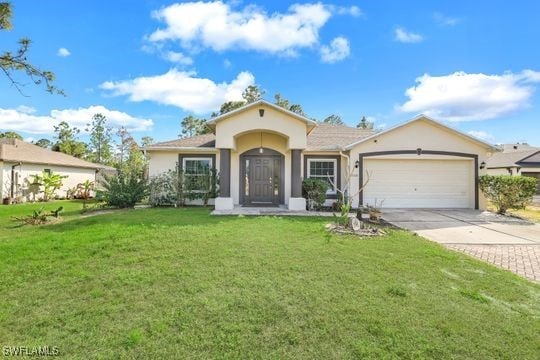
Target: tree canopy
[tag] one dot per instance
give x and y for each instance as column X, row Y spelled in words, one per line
column 100, row 140
column 334, row 120
column 365, row 124
column 10, row 135
column 44, row 143
column 12, row 62
column 192, row 126
column 67, row 140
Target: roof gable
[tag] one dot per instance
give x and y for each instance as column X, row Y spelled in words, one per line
column 14, row 150
column 246, row 107
column 424, row 118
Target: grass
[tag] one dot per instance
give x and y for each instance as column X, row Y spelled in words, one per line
column 531, row 213
column 179, row 283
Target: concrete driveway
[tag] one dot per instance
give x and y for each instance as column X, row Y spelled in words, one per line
column 510, row 243
column 465, row 226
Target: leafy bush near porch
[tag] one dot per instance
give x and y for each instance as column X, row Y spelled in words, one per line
column 166, row 189
column 175, row 187
column 315, row 193
column 124, row 190
column 508, row 192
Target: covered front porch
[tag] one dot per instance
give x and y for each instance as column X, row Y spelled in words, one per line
column 260, row 171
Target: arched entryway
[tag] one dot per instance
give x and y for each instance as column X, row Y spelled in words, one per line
column 262, row 177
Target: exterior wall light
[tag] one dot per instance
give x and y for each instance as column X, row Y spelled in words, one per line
column 261, row 112
column 482, row 165
column 357, row 164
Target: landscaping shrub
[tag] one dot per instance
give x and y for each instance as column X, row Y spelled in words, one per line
column 124, row 190
column 166, row 189
column 49, row 181
column 315, row 193
column 508, row 192
column 39, row 216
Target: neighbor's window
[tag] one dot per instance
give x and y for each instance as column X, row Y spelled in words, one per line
column 196, row 171
column 325, row 170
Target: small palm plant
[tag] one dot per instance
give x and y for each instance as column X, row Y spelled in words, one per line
column 85, row 189
column 50, row 183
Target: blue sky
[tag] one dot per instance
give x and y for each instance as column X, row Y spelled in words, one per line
column 474, row 65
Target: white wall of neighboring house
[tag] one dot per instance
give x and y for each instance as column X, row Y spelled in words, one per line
column 25, row 171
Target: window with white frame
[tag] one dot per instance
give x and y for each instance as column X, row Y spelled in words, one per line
column 324, row 170
column 196, row 171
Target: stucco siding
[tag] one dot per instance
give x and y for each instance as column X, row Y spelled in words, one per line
column 418, row 135
column 500, row 171
column 24, row 174
column 293, row 130
column 162, row 161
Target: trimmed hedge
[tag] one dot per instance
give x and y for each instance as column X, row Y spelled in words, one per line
column 508, row 192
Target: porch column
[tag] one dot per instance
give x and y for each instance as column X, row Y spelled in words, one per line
column 296, row 201
column 224, row 201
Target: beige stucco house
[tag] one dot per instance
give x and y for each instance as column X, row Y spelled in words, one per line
column 20, row 160
column 262, row 153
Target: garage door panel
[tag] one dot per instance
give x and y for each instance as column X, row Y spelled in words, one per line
column 419, row 183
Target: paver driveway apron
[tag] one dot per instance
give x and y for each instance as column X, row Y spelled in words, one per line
column 510, row 243
column 465, row 226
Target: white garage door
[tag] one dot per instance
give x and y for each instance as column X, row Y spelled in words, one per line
column 420, row 183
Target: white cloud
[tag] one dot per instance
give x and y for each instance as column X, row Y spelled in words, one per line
column 63, row 52
column 218, row 26
column 404, row 36
column 482, row 135
column 465, row 97
column 344, row 10
column 182, row 89
column 445, row 20
column 178, row 57
column 26, row 109
column 338, row 50
column 17, row 120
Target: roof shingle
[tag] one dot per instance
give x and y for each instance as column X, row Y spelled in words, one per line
column 509, row 159
column 14, row 150
column 324, row 137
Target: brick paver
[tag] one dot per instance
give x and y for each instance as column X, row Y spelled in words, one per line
column 523, row 260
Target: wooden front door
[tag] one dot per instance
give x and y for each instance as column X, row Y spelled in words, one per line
column 261, row 180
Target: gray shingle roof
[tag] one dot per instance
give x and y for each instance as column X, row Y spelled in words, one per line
column 199, row 141
column 324, row 137
column 14, row 150
column 509, row 159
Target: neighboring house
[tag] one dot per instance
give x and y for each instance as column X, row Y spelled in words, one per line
column 20, row 160
column 263, row 152
column 515, row 160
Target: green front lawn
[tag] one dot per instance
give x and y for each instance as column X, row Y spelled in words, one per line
column 178, row 283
